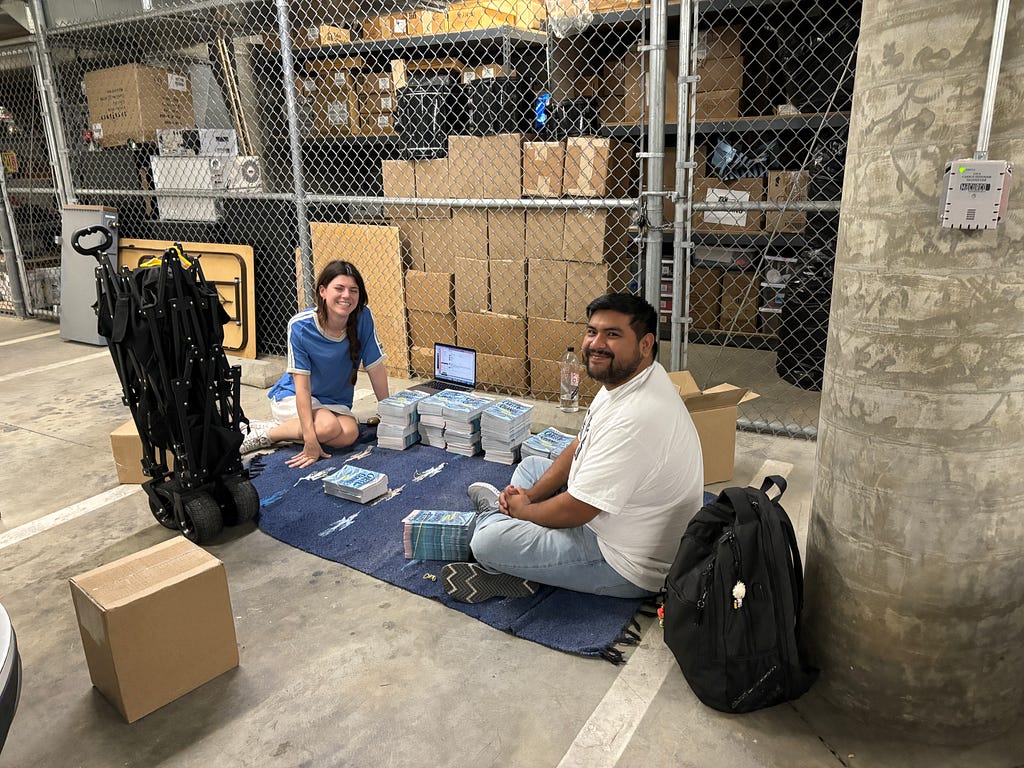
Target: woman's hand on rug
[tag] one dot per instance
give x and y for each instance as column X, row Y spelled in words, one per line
column 310, row 454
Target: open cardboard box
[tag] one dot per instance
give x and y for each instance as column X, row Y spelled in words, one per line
column 714, row 411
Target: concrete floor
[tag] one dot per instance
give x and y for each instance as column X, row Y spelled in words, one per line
column 338, row 668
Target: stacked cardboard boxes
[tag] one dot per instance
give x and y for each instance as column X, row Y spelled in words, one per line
column 786, row 187
column 622, row 94
column 720, row 68
column 377, row 103
column 330, row 88
column 712, row 191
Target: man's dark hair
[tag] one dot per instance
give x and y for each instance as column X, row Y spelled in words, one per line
column 643, row 317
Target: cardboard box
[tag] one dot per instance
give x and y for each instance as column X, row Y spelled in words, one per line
column 718, row 105
column 543, row 168
column 709, row 190
column 469, row 233
column 479, row 14
column 545, row 230
column 376, row 124
column 609, row 6
column 128, row 103
column 126, row 446
column 705, row 297
column 425, row 328
column 508, row 286
column 399, row 178
column 545, row 381
column 585, row 282
column 432, row 184
column 437, row 249
column 377, row 102
column 321, row 34
column 498, row 373
column 598, row 168
column 714, row 413
column 720, row 74
column 471, row 285
column 493, row 334
column 410, row 235
column 335, row 103
column 371, row 84
column 392, row 26
column 741, row 296
column 502, row 156
column 422, row 361
column 595, row 235
column 430, row 291
column 719, row 43
column 623, row 95
column 506, row 235
column 550, row 338
column 463, row 167
column 547, row 281
column 155, row 625
column 485, row 72
column 786, row 187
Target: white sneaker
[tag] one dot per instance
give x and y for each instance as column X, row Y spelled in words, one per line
column 257, row 439
column 484, row 496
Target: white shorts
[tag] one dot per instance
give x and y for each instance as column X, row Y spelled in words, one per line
column 284, row 409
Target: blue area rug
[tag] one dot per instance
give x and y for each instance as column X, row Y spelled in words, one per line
column 369, row 537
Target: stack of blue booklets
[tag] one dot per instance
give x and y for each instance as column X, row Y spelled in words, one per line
column 462, row 422
column 356, row 484
column 399, row 420
column 438, row 534
column 548, row 443
column 503, row 428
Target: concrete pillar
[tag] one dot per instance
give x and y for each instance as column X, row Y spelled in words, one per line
column 915, row 561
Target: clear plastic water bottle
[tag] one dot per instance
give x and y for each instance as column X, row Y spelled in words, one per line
column 569, row 397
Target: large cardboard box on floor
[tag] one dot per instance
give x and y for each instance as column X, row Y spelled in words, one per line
column 714, row 413
column 129, row 103
column 155, row 625
column 126, row 445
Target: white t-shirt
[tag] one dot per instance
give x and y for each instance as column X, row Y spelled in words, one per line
column 639, row 462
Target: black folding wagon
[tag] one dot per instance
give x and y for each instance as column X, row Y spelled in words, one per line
column 163, row 323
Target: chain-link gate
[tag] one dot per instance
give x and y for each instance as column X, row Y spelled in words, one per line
column 767, row 145
column 30, row 222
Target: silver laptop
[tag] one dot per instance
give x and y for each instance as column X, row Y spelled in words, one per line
column 454, row 368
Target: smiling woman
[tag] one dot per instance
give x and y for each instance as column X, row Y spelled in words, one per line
column 312, row 401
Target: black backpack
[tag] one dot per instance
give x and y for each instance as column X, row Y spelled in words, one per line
column 732, row 602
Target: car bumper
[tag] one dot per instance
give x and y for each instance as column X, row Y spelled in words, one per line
column 10, row 687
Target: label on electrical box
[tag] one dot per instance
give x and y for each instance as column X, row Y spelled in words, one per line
column 975, row 193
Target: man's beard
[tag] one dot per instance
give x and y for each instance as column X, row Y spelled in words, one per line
column 615, row 372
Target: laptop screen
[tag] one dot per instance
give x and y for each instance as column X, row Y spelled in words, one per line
column 456, row 364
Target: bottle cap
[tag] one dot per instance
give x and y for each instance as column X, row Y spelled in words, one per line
column 572, row 349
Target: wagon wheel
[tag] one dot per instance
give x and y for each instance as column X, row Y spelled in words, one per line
column 162, row 508
column 202, row 519
column 244, row 502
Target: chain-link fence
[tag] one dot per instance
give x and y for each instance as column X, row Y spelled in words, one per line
column 30, row 230
column 767, row 144
column 485, row 164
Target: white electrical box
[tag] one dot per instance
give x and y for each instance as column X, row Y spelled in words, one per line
column 975, row 193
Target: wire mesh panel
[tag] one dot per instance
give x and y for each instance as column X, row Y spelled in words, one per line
column 476, row 160
column 770, row 117
column 30, row 269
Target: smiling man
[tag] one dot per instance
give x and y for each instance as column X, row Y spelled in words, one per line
column 605, row 516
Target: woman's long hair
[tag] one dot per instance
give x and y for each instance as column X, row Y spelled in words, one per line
column 330, row 271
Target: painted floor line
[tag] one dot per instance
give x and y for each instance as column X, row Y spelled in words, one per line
column 602, row 740
column 52, row 366
column 605, row 736
column 28, row 338
column 61, row 516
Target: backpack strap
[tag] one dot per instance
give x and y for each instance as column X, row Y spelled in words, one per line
column 778, row 481
column 741, row 504
column 798, row 571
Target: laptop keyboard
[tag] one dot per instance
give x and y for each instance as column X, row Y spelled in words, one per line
column 438, row 384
